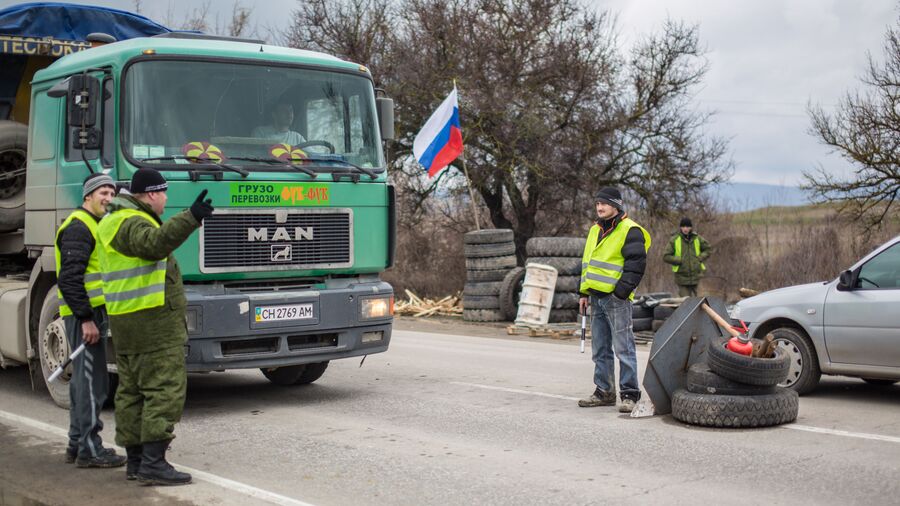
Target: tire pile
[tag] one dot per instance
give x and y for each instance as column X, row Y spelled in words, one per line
column 490, row 256
column 648, row 314
column 734, row 390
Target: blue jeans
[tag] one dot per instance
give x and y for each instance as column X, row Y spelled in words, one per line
column 611, row 330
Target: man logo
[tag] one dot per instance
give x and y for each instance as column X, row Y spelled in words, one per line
column 281, row 234
column 281, row 253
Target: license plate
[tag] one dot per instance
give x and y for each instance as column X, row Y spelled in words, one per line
column 283, row 313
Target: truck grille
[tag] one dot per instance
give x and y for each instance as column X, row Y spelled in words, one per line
column 264, row 240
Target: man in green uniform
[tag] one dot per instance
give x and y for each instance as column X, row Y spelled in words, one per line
column 687, row 252
column 146, row 304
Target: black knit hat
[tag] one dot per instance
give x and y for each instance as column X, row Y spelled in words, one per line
column 148, row 180
column 686, row 222
column 611, row 196
column 94, row 181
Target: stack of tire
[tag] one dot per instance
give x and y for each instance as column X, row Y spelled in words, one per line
column 734, row 390
column 644, row 313
column 561, row 253
column 490, row 255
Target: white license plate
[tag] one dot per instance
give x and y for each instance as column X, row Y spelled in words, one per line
column 283, row 313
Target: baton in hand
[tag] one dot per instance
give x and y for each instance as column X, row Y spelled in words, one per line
column 59, row 370
column 583, row 325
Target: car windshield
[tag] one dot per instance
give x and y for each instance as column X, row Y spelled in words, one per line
column 189, row 111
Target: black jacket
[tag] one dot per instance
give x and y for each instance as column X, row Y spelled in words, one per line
column 75, row 247
column 635, row 258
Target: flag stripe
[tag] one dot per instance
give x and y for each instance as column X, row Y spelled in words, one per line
column 440, row 141
column 451, row 150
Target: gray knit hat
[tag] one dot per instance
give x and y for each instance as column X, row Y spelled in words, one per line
column 95, row 181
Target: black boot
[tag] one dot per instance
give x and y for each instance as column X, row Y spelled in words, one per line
column 155, row 470
column 134, row 461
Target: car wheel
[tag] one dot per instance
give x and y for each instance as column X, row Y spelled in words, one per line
column 803, row 371
column 745, row 369
column 880, row 382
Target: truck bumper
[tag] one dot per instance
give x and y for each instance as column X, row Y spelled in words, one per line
column 224, row 331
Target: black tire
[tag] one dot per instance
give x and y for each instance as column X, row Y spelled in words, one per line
column 565, row 266
column 488, row 236
column 481, row 302
column 564, row 316
column 488, row 275
column 657, row 324
column 486, row 288
column 491, row 263
column 641, row 324
column 284, row 376
column 482, row 315
column 736, row 410
column 701, row 380
column 565, row 300
column 510, row 289
column 663, row 312
column 53, row 348
column 639, row 311
column 659, row 295
column 745, row 369
column 555, row 247
column 803, row 369
column 311, row 372
column 489, row 250
column 568, row 283
column 13, row 150
column 879, row 382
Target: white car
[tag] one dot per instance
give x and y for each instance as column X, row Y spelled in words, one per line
column 847, row 326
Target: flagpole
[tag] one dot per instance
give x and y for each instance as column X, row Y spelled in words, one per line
column 469, row 183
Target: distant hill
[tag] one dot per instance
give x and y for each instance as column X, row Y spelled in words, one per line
column 737, row 197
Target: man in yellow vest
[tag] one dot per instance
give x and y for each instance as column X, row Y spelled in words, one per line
column 81, row 305
column 613, row 263
column 686, row 253
column 146, row 303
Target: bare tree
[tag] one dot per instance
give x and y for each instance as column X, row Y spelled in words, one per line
column 865, row 131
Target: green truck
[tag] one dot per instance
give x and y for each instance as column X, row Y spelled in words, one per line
column 284, row 276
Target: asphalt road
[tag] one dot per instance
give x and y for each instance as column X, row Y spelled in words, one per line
column 452, row 419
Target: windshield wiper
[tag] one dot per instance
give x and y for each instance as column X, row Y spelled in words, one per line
column 305, row 170
column 197, row 161
column 345, row 163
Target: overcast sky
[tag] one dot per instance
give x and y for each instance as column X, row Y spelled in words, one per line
column 768, row 59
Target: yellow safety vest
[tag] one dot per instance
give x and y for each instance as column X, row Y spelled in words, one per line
column 602, row 264
column 678, row 242
column 130, row 283
column 93, row 283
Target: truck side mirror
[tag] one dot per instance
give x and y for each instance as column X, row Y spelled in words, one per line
column 83, row 98
column 847, row 281
column 385, row 108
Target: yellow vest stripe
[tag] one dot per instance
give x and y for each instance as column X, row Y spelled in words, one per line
column 134, row 271
column 137, row 292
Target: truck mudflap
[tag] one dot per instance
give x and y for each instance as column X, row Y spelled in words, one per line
column 240, row 330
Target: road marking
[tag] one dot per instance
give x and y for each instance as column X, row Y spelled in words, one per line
column 236, row 486
column 844, row 433
column 515, row 391
column 807, row 428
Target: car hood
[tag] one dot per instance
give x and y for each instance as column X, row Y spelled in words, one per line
column 792, row 299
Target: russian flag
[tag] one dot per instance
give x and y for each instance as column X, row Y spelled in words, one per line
column 440, row 140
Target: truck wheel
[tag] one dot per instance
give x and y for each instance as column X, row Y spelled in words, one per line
column 555, row 247
column 568, row 283
column 710, row 410
column 312, row 372
column 491, row 263
column 510, row 288
column 53, row 348
column 803, row 371
column 565, row 266
column 489, row 250
column 284, row 376
column 489, row 235
column 13, row 146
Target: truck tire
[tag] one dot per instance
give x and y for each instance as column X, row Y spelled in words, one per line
column 640, row 311
column 479, row 276
column 555, row 247
column 481, row 302
column 641, row 324
column 311, row 372
column 284, row 376
column 482, row 315
column 803, row 369
column 489, row 250
column 701, row 380
column 565, row 266
column 510, row 289
column 491, row 263
column 736, row 410
column 565, row 300
column 486, row 288
column 564, row 316
column 13, row 147
column 663, row 312
column 487, row 236
column 744, row 369
column 53, row 348
column 568, row 283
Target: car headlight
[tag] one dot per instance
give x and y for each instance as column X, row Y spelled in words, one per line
column 371, row 308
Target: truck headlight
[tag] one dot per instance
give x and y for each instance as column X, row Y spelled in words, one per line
column 371, row 308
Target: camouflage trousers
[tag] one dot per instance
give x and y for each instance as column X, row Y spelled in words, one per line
column 150, row 397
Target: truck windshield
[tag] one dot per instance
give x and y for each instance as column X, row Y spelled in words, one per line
column 182, row 111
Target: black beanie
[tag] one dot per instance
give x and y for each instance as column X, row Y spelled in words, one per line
column 148, row 180
column 686, row 222
column 611, row 196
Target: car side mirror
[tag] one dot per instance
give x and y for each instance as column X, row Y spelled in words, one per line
column 846, row 281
